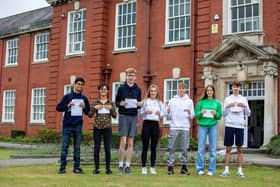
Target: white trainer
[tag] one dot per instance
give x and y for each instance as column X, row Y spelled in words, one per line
column 153, row 171
column 144, row 170
column 240, row 174
column 201, row 172
column 225, row 174
column 210, row 173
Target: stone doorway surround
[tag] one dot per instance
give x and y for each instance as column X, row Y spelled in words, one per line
column 239, row 59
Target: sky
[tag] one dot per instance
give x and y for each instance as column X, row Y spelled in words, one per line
column 12, row 7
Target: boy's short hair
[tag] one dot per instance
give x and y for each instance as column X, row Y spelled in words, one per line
column 80, row 79
column 182, row 85
column 130, row 71
column 236, row 83
column 102, row 85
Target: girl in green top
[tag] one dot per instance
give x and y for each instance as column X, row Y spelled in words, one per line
column 207, row 111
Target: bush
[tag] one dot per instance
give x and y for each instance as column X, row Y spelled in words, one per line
column 17, row 133
column 274, row 146
column 49, row 136
column 87, row 138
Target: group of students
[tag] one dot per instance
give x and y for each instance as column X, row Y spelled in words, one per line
column 180, row 111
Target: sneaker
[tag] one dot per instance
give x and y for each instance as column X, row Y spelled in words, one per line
column 153, row 171
column 200, row 172
column 225, row 174
column 61, row 171
column 109, row 172
column 144, row 170
column 120, row 170
column 78, row 171
column 184, row 170
column 127, row 170
column 210, row 173
column 240, row 174
column 170, row 170
column 96, row 171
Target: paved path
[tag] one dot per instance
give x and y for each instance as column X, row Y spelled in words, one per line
column 249, row 158
column 27, row 161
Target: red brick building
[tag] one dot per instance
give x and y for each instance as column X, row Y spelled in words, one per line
column 167, row 41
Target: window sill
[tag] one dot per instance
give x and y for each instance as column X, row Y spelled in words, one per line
column 42, row 123
column 40, row 62
column 176, row 45
column 254, row 33
column 118, row 51
column 7, row 123
column 10, row 66
column 67, row 56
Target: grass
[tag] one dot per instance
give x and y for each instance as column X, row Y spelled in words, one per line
column 5, row 153
column 45, row 176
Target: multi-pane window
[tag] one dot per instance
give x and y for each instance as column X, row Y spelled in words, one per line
column 41, row 47
column 178, row 21
column 171, row 88
column 245, row 16
column 68, row 88
column 8, row 112
column 38, row 104
column 76, row 31
column 12, row 52
column 125, row 33
column 116, row 86
column 251, row 90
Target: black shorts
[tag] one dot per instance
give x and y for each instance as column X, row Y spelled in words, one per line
column 234, row 133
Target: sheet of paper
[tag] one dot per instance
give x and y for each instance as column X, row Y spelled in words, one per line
column 76, row 109
column 208, row 114
column 154, row 109
column 131, row 103
column 236, row 109
column 103, row 111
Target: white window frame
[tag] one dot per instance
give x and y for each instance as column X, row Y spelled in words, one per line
column 43, row 104
column 252, row 90
column 68, row 88
column 227, row 18
column 9, row 106
column 175, row 89
column 41, row 46
column 184, row 28
column 79, row 19
column 12, row 52
column 115, row 87
column 129, row 39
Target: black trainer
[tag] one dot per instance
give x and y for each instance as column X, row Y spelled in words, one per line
column 127, row 170
column 170, row 170
column 96, row 171
column 61, row 171
column 78, row 171
column 184, row 170
column 109, row 172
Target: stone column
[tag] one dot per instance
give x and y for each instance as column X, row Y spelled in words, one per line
column 270, row 72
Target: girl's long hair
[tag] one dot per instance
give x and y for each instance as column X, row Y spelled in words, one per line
column 204, row 95
column 147, row 95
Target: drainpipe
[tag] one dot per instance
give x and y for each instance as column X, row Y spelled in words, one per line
column 194, row 56
column 148, row 77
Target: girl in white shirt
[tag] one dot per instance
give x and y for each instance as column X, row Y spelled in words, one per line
column 151, row 111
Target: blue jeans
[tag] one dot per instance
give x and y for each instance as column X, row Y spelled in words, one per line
column 203, row 131
column 67, row 132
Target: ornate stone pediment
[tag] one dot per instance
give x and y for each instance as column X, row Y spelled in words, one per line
column 236, row 50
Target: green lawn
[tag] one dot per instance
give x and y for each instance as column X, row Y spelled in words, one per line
column 45, row 175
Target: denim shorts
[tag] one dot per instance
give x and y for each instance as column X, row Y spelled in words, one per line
column 128, row 125
column 230, row 133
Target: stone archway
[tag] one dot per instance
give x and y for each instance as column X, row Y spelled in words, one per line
column 239, row 59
